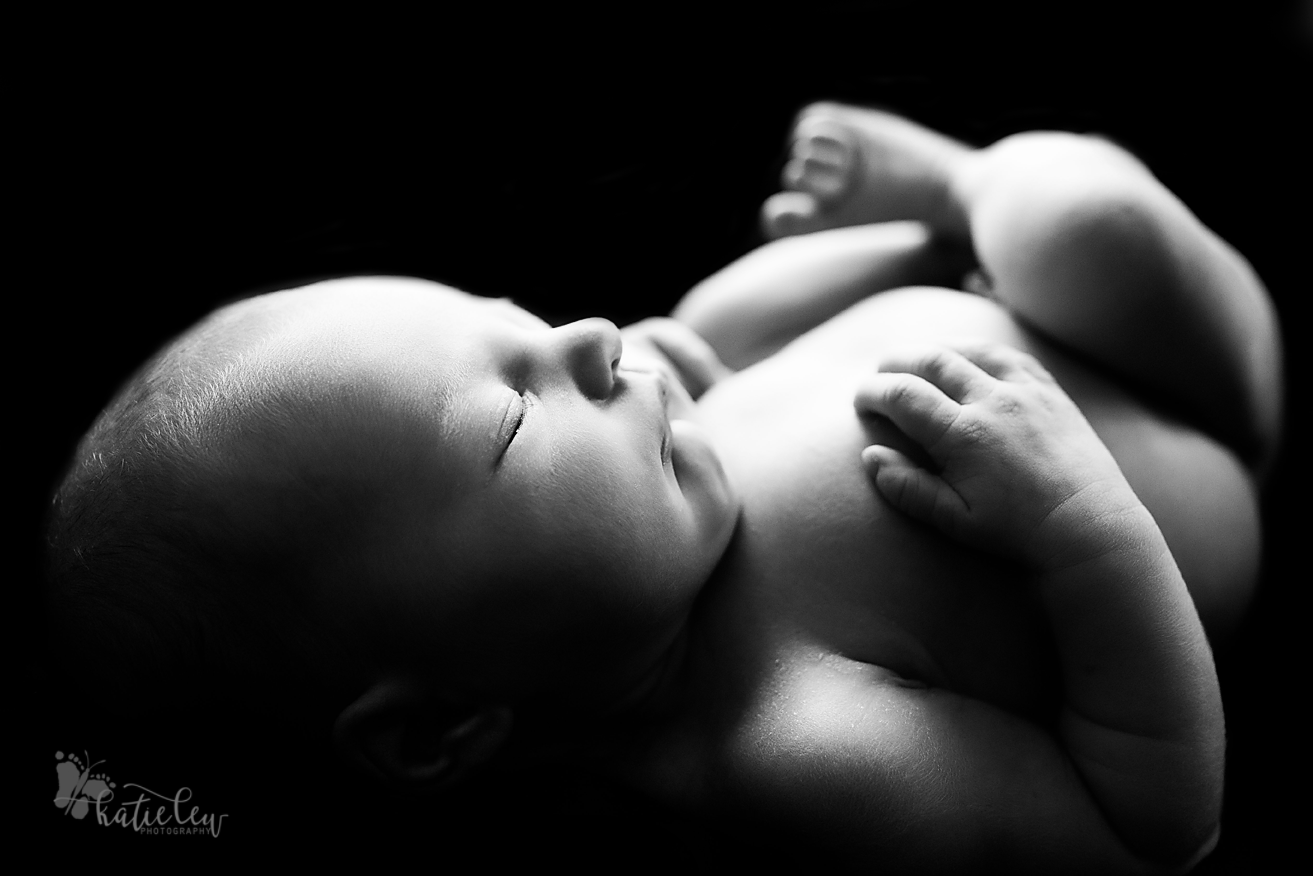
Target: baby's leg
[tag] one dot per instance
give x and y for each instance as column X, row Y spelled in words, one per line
column 1078, row 239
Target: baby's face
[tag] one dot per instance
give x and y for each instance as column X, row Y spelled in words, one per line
column 542, row 511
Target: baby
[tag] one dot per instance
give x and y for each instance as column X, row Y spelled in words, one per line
column 917, row 572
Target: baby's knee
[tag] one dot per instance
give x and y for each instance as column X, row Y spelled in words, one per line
column 1055, row 205
column 1058, row 174
column 1062, row 152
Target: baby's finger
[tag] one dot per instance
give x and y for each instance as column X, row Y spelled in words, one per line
column 921, row 410
column 911, row 489
column 1004, row 362
column 945, row 368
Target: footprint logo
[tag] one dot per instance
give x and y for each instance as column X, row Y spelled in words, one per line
column 77, row 786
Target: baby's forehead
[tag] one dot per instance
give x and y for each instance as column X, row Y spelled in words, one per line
column 406, row 303
column 370, row 343
column 393, row 337
column 352, row 316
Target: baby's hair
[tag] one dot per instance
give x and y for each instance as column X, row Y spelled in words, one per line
column 180, row 541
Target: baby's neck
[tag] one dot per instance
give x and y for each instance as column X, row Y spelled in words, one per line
column 657, row 692
column 607, row 735
column 660, row 691
column 552, row 734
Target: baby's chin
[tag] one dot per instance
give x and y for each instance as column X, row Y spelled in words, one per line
column 703, row 480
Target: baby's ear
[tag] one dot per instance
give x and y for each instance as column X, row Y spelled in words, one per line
column 405, row 736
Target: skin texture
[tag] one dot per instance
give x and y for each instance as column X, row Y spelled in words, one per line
column 988, row 659
column 1018, row 471
column 892, row 689
column 884, row 669
column 538, row 516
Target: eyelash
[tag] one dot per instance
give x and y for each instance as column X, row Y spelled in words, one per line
column 519, row 416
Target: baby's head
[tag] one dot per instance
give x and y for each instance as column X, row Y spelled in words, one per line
column 421, row 509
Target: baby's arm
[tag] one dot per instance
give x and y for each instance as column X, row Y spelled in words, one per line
column 777, row 292
column 1021, row 473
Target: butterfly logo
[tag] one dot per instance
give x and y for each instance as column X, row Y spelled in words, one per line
column 77, row 786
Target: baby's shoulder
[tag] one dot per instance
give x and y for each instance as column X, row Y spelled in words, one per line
column 808, row 686
column 839, row 749
column 867, row 762
column 811, row 712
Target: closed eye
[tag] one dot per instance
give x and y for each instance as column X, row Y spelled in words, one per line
column 512, row 420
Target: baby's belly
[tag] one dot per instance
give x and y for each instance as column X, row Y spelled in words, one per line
column 822, row 562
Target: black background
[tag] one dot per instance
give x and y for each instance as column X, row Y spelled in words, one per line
column 589, row 167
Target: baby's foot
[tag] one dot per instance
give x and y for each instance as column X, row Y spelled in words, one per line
column 851, row 166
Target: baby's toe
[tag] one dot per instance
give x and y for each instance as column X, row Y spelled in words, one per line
column 824, row 160
column 788, row 213
column 820, row 175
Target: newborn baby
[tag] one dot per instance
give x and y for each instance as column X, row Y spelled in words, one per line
column 915, row 571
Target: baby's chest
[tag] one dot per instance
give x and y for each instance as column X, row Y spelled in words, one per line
column 821, row 559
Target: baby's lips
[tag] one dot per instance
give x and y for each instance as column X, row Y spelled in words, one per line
column 678, row 402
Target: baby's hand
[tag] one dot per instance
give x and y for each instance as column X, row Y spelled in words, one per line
column 666, row 343
column 1019, row 470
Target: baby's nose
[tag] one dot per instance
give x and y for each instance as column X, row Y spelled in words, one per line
column 592, row 350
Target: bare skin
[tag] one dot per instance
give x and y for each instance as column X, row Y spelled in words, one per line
column 957, row 624
column 1182, row 326
column 1155, row 272
column 856, row 669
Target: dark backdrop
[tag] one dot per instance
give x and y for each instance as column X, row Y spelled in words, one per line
column 599, row 174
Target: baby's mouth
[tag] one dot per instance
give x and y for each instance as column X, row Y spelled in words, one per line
column 678, row 403
column 667, row 438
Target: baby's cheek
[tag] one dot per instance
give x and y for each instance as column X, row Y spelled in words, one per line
column 705, row 485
